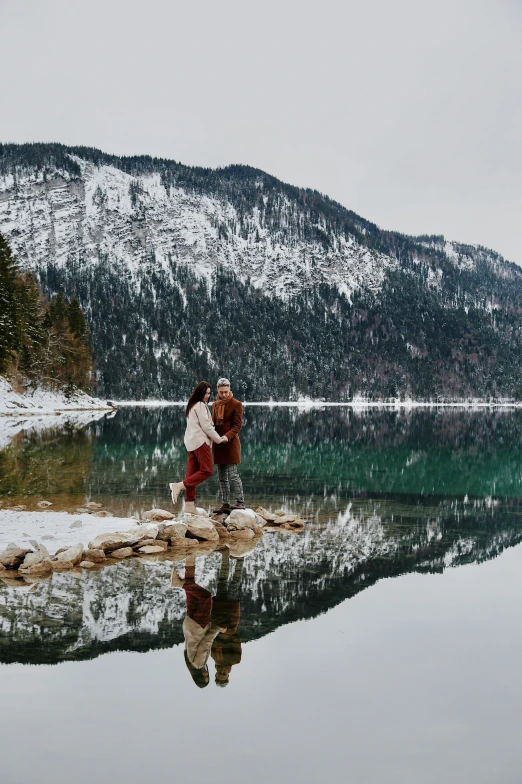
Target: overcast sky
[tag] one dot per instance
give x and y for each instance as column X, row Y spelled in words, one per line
column 408, row 112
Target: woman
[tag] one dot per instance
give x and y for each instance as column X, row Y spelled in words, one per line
column 198, row 629
column 199, row 434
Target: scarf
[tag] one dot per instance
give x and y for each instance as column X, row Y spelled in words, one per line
column 220, row 410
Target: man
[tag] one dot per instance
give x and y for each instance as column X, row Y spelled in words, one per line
column 227, row 416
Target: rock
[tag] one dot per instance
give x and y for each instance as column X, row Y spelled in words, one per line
column 295, row 525
column 114, row 541
column 43, row 504
column 13, row 556
column 151, row 549
column 73, row 554
column 76, row 524
column 2, row 568
column 242, row 533
column 33, row 558
column 202, row 512
column 239, row 519
column 96, row 556
column 87, row 564
column 61, row 566
column 201, row 528
column 83, row 510
column 222, row 531
column 40, row 547
column 102, row 513
column 152, row 543
column 93, row 505
column 49, row 537
column 265, row 514
column 41, row 569
column 168, row 531
column 158, row 515
column 19, row 508
column 123, row 552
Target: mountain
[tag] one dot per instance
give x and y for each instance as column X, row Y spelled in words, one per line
column 188, row 273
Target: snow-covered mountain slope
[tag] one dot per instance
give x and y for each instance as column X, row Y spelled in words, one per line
column 128, row 220
column 307, row 293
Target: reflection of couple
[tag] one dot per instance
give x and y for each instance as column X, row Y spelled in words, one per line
column 222, row 428
column 210, row 625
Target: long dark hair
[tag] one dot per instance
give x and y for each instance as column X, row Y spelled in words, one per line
column 198, row 676
column 197, row 396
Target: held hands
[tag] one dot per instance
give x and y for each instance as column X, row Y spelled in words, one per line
column 224, row 440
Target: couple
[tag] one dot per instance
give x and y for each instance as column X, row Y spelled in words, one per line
column 222, row 428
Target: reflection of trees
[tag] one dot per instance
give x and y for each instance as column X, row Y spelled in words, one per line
column 454, row 452
column 130, row 606
column 54, row 462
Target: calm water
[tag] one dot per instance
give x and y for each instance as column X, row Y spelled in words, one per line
column 381, row 645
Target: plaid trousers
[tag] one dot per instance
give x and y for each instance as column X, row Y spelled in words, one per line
column 229, row 475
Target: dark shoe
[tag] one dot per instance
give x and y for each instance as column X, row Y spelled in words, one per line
column 223, row 509
column 239, row 505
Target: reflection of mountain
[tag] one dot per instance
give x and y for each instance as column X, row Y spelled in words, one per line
column 131, row 606
column 287, row 451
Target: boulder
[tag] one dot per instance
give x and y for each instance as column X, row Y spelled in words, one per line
column 2, row 568
column 151, row 549
column 101, row 513
column 83, row 510
column 115, row 541
column 239, row 519
column 43, row 504
column 13, row 556
column 33, row 558
column 269, row 517
column 201, row 527
column 242, row 533
column 122, row 552
column 87, row 564
column 168, row 531
column 76, row 524
column 152, row 543
column 96, row 556
column 158, row 515
column 61, row 566
column 73, row 554
column 93, row 505
column 41, row 569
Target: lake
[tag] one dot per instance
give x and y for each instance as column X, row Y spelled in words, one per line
column 380, row 644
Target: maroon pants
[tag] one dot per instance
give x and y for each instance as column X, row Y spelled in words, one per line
column 199, row 600
column 199, row 469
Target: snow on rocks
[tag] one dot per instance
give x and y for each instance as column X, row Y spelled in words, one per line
column 112, row 540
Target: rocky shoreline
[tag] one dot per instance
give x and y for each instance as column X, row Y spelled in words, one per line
column 160, row 535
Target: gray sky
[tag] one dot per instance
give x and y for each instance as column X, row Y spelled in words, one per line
column 406, row 111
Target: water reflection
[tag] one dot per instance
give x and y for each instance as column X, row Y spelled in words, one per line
column 133, row 606
column 311, row 460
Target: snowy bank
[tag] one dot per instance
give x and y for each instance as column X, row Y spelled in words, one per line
column 46, row 401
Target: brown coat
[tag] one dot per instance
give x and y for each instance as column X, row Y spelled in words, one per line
column 226, row 454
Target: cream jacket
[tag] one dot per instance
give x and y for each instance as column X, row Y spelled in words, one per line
column 200, row 429
column 198, row 641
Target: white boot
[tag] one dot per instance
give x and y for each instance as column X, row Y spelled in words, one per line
column 175, row 489
column 190, row 508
